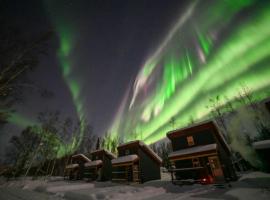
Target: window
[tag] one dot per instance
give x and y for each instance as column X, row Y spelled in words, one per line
column 190, row 140
column 127, row 152
column 196, row 162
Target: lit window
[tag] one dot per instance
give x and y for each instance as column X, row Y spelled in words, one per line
column 190, row 140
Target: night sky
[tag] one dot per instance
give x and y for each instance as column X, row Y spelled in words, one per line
column 112, row 40
column 130, row 67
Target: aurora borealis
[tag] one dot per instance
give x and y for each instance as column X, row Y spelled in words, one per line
column 138, row 69
column 66, row 37
column 205, row 54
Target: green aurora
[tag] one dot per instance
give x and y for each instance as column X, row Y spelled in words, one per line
column 67, row 38
column 205, row 54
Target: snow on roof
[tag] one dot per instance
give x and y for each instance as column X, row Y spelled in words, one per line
column 263, row 144
column 142, row 144
column 93, row 163
column 106, row 152
column 211, row 124
column 125, row 159
column 110, row 153
column 82, row 156
column 128, row 143
column 145, row 147
column 72, row 166
column 192, row 150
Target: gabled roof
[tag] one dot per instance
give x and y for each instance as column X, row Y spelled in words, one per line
column 81, row 156
column 193, row 150
column 144, row 147
column 125, row 159
column 100, row 151
column 193, row 129
column 93, row 163
column 263, row 144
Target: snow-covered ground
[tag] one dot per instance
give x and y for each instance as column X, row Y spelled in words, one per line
column 254, row 185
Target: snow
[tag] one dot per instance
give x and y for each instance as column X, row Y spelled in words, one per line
column 93, row 163
column 249, row 193
column 56, row 189
column 72, row 166
column 82, row 156
column 106, row 152
column 263, row 144
column 216, row 131
column 255, row 175
column 143, row 146
column 110, row 153
column 192, row 150
column 125, row 159
column 128, row 143
column 64, row 188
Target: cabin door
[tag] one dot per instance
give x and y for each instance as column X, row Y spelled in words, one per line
column 136, row 172
column 215, row 168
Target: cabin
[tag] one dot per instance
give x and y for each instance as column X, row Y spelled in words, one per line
column 200, row 153
column 100, row 168
column 75, row 169
column 262, row 149
column 136, row 163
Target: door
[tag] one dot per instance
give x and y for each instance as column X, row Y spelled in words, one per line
column 215, row 168
column 136, row 173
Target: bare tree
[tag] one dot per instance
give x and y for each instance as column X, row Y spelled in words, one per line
column 21, row 149
column 19, row 54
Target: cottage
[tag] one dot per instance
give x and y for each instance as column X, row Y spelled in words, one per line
column 136, row 162
column 200, row 153
column 262, row 148
column 100, row 168
column 76, row 168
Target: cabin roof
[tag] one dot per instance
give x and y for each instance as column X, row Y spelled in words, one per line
column 144, row 147
column 93, row 163
column 263, row 144
column 82, row 157
column 193, row 150
column 193, row 129
column 108, row 153
column 125, row 159
column 72, row 166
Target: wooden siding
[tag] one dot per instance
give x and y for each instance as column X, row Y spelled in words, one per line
column 203, row 134
column 200, row 138
column 149, row 169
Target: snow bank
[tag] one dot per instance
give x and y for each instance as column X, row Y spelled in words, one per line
column 249, row 193
column 253, row 175
column 69, row 187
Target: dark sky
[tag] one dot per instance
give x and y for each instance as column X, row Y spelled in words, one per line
column 113, row 39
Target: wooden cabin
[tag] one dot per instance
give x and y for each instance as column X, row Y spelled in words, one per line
column 75, row 169
column 262, row 149
column 100, row 168
column 136, row 162
column 200, row 153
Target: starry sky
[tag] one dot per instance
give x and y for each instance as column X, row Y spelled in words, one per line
column 130, row 66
